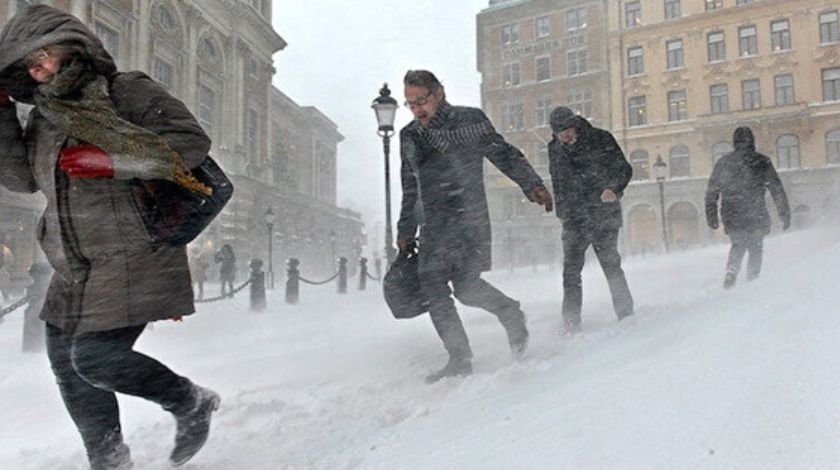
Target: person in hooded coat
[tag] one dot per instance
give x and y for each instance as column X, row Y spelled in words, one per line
column 443, row 151
column 589, row 174
column 739, row 182
column 93, row 133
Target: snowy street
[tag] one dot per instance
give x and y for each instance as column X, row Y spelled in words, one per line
column 698, row 378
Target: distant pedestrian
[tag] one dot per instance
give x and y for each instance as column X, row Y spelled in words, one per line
column 7, row 260
column 589, row 174
column 92, row 134
column 443, row 154
column 198, row 270
column 739, row 181
column 227, row 269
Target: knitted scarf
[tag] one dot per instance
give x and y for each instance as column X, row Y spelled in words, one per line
column 86, row 113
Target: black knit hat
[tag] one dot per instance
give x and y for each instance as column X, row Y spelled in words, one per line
column 561, row 118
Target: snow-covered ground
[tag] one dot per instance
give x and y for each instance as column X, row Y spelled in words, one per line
column 699, row 378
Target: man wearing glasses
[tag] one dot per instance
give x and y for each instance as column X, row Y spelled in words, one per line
column 443, row 153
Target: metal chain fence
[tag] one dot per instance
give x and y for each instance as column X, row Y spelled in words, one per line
column 225, row 296
column 11, row 308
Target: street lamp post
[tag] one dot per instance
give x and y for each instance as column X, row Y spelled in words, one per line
column 332, row 245
column 385, row 108
column 270, row 218
column 659, row 170
column 509, row 225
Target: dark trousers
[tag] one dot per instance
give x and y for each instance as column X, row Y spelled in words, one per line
column 742, row 242
column 471, row 290
column 605, row 243
column 90, row 367
column 229, row 284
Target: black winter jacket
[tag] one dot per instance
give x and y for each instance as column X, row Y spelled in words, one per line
column 581, row 172
column 447, row 157
column 739, row 181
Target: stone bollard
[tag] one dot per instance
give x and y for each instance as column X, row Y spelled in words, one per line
column 342, row 275
column 33, row 327
column 257, row 285
column 292, row 281
column 363, row 273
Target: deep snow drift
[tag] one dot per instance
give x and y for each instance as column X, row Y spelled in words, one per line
column 699, row 378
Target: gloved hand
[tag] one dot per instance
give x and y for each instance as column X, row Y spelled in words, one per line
column 541, row 196
column 86, row 161
column 712, row 223
column 786, row 223
column 4, row 97
column 405, row 244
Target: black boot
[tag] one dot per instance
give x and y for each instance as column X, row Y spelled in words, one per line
column 113, row 454
column 453, row 368
column 729, row 279
column 193, row 425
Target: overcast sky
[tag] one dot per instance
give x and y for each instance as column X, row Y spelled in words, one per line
column 340, row 53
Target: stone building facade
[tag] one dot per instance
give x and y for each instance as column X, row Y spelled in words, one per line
column 670, row 79
column 216, row 56
column 534, row 55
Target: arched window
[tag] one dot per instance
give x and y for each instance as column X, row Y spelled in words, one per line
column 832, row 147
column 719, row 150
column 787, row 151
column 165, row 17
column 680, row 166
column 639, row 161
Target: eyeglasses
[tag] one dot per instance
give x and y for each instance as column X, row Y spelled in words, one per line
column 36, row 57
column 418, row 102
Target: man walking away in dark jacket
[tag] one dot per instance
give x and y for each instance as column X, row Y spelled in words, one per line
column 739, row 181
column 443, row 153
column 94, row 132
column 589, row 174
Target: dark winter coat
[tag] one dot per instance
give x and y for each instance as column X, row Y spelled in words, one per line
column 451, row 205
column 740, row 180
column 108, row 272
column 581, row 172
column 227, row 270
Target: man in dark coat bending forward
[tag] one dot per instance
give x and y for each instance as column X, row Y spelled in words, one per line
column 589, row 174
column 443, row 152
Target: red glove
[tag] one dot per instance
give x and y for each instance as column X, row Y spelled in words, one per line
column 4, row 97
column 86, row 161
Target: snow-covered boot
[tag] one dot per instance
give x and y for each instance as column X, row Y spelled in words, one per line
column 118, row 458
column 729, row 279
column 453, row 368
column 193, row 425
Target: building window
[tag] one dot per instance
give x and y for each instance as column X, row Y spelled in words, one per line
column 637, row 111
column 829, row 29
column 716, row 46
column 743, row 2
column 719, row 150
column 206, row 108
column 676, row 106
column 513, row 116
column 575, row 18
column 543, row 110
column 164, row 72
column 783, row 85
column 680, row 163
column 510, row 75
column 580, row 101
column 542, row 26
column 780, row 35
column 639, row 162
column 787, row 149
column 577, row 62
column 253, row 136
column 543, row 66
column 719, row 98
column 110, row 39
column 747, row 41
column 510, row 34
column 672, row 9
column 635, row 61
column 713, row 4
column 633, row 14
column 675, row 57
column 831, row 84
column 832, row 147
column 164, row 18
column 750, row 94
column 253, row 68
